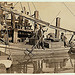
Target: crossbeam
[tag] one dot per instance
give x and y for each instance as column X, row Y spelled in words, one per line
column 59, row 28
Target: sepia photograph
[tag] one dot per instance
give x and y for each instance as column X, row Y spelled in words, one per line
column 37, row 37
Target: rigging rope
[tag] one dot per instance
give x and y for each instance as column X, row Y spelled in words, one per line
column 56, row 16
column 21, row 6
column 68, row 9
column 15, row 4
column 29, row 8
column 34, row 6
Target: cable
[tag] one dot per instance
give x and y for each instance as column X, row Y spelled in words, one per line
column 34, row 5
column 15, row 4
column 56, row 16
column 21, row 6
column 29, row 8
column 68, row 9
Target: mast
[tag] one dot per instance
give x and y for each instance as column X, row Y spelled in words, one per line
column 36, row 15
column 57, row 25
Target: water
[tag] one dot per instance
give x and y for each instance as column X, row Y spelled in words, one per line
column 58, row 63
column 54, row 63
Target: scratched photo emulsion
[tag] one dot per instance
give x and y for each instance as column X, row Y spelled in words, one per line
column 37, row 37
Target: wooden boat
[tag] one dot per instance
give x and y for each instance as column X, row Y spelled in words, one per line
column 18, row 30
column 21, row 49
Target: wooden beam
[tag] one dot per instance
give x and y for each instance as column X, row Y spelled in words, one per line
column 59, row 28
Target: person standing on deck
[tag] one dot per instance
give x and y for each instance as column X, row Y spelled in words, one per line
column 36, row 35
column 64, row 39
column 41, row 37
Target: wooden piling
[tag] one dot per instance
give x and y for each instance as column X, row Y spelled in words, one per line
column 57, row 25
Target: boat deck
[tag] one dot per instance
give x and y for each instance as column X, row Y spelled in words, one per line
column 22, row 49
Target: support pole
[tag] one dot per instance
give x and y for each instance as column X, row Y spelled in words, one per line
column 57, row 25
column 15, row 31
column 36, row 15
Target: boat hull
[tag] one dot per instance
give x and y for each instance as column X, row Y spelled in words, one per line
column 22, row 51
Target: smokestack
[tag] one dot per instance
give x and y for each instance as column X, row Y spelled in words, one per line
column 57, row 25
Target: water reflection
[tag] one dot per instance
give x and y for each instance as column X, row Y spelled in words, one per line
column 57, row 63
column 72, row 58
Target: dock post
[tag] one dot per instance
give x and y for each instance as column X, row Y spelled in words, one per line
column 57, row 25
